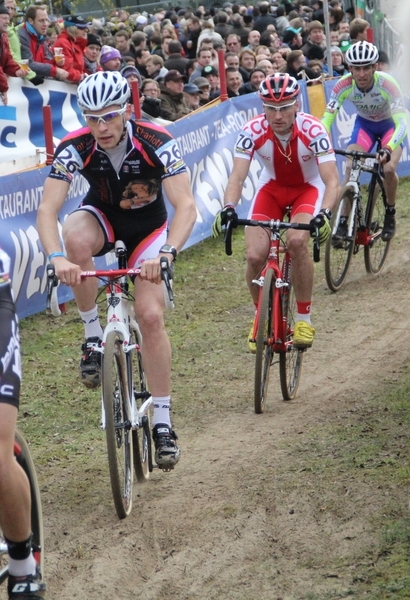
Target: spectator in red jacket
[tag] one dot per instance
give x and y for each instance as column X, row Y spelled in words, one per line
column 35, row 47
column 73, row 40
column 8, row 65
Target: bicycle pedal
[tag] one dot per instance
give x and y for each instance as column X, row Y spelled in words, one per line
column 167, row 470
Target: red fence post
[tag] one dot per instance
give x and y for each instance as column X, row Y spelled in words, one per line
column 222, row 75
column 48, row 133
column 136, row 99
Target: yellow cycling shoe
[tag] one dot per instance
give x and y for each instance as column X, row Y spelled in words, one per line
column 303, row 335
column 251, row 341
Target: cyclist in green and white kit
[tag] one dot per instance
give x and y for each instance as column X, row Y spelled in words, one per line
column 380, row 113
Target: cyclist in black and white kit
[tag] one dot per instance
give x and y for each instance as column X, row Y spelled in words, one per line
column 24, row 576
column 127, row 164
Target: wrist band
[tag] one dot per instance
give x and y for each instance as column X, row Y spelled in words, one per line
column 56, row 255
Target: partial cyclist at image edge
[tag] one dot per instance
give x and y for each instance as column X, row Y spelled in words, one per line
column 380, row 114
column 127, row 163
column 25, row 580
column 299, row 171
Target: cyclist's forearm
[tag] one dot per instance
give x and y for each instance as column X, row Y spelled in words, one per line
column 53, row 199
column 233, row 191
column 400, row 130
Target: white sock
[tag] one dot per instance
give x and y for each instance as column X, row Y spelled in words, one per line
column 19, row 568
column 92, row 326
column 161, row 410
column 306, row 318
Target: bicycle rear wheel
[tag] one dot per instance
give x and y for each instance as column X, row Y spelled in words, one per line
column 141, row 437
column 117, row 423
column 264, row 351
column 290, row 362
column 23, row 456
column 375, row 253
column 338, row 253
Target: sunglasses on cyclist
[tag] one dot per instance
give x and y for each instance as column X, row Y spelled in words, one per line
column 105, row 118
column 282, row 108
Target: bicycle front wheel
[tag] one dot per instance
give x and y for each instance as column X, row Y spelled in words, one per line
column 141, row 437
column 264, row 351
column 338, row 252
column 117, row 423
column 375, row 253
column 290, row 361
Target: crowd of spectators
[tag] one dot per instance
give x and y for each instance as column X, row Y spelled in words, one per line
column 173, row 54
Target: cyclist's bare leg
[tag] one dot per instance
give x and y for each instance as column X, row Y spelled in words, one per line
column 257, row 248
column 83, row 238
column 391, row 178
column 297, row 243
column 156, row 347
column 14, row 485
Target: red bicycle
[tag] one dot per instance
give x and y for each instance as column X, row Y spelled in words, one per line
column 275, row 315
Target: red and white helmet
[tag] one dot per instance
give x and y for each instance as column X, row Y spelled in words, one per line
column 278, row 87
column 362, row 54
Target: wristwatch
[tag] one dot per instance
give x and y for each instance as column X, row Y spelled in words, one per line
column 168, row 249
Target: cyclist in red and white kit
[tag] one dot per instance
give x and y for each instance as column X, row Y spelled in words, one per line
column 299, row 170
column 24, row 575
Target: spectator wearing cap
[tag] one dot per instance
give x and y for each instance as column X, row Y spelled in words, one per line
column 204, row 89
column 292, row 38
column 8, row 66
column 265, row 18
column 316, row 37
column 344, row 44
column 211, row 73
column 247, row 62
column 338, row 66
column 191, row 95
column 73, row 40
column 131, row 74
column 110, row 59
column 234, row 82
column 175, row 59
column 35, row 47
column 155, row 67
column 257, row 75
column 92, row 53
column 204, row 59
column 173, row 103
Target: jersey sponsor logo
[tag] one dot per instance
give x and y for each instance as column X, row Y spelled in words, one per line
column 306, row 157
column 313, row 129
column 7, row 390
column 257, row 126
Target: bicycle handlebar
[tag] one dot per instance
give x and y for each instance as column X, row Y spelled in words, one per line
column 53, row 281
column 273, row 225
column 356, row 155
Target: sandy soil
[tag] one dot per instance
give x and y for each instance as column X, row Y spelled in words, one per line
column 230, row 522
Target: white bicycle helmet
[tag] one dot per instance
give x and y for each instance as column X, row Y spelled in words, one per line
column 362, row 54
column 102, row 89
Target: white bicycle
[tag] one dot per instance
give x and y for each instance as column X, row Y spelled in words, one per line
column 125, row 398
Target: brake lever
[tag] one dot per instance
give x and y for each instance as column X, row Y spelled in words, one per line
column 166, row 276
